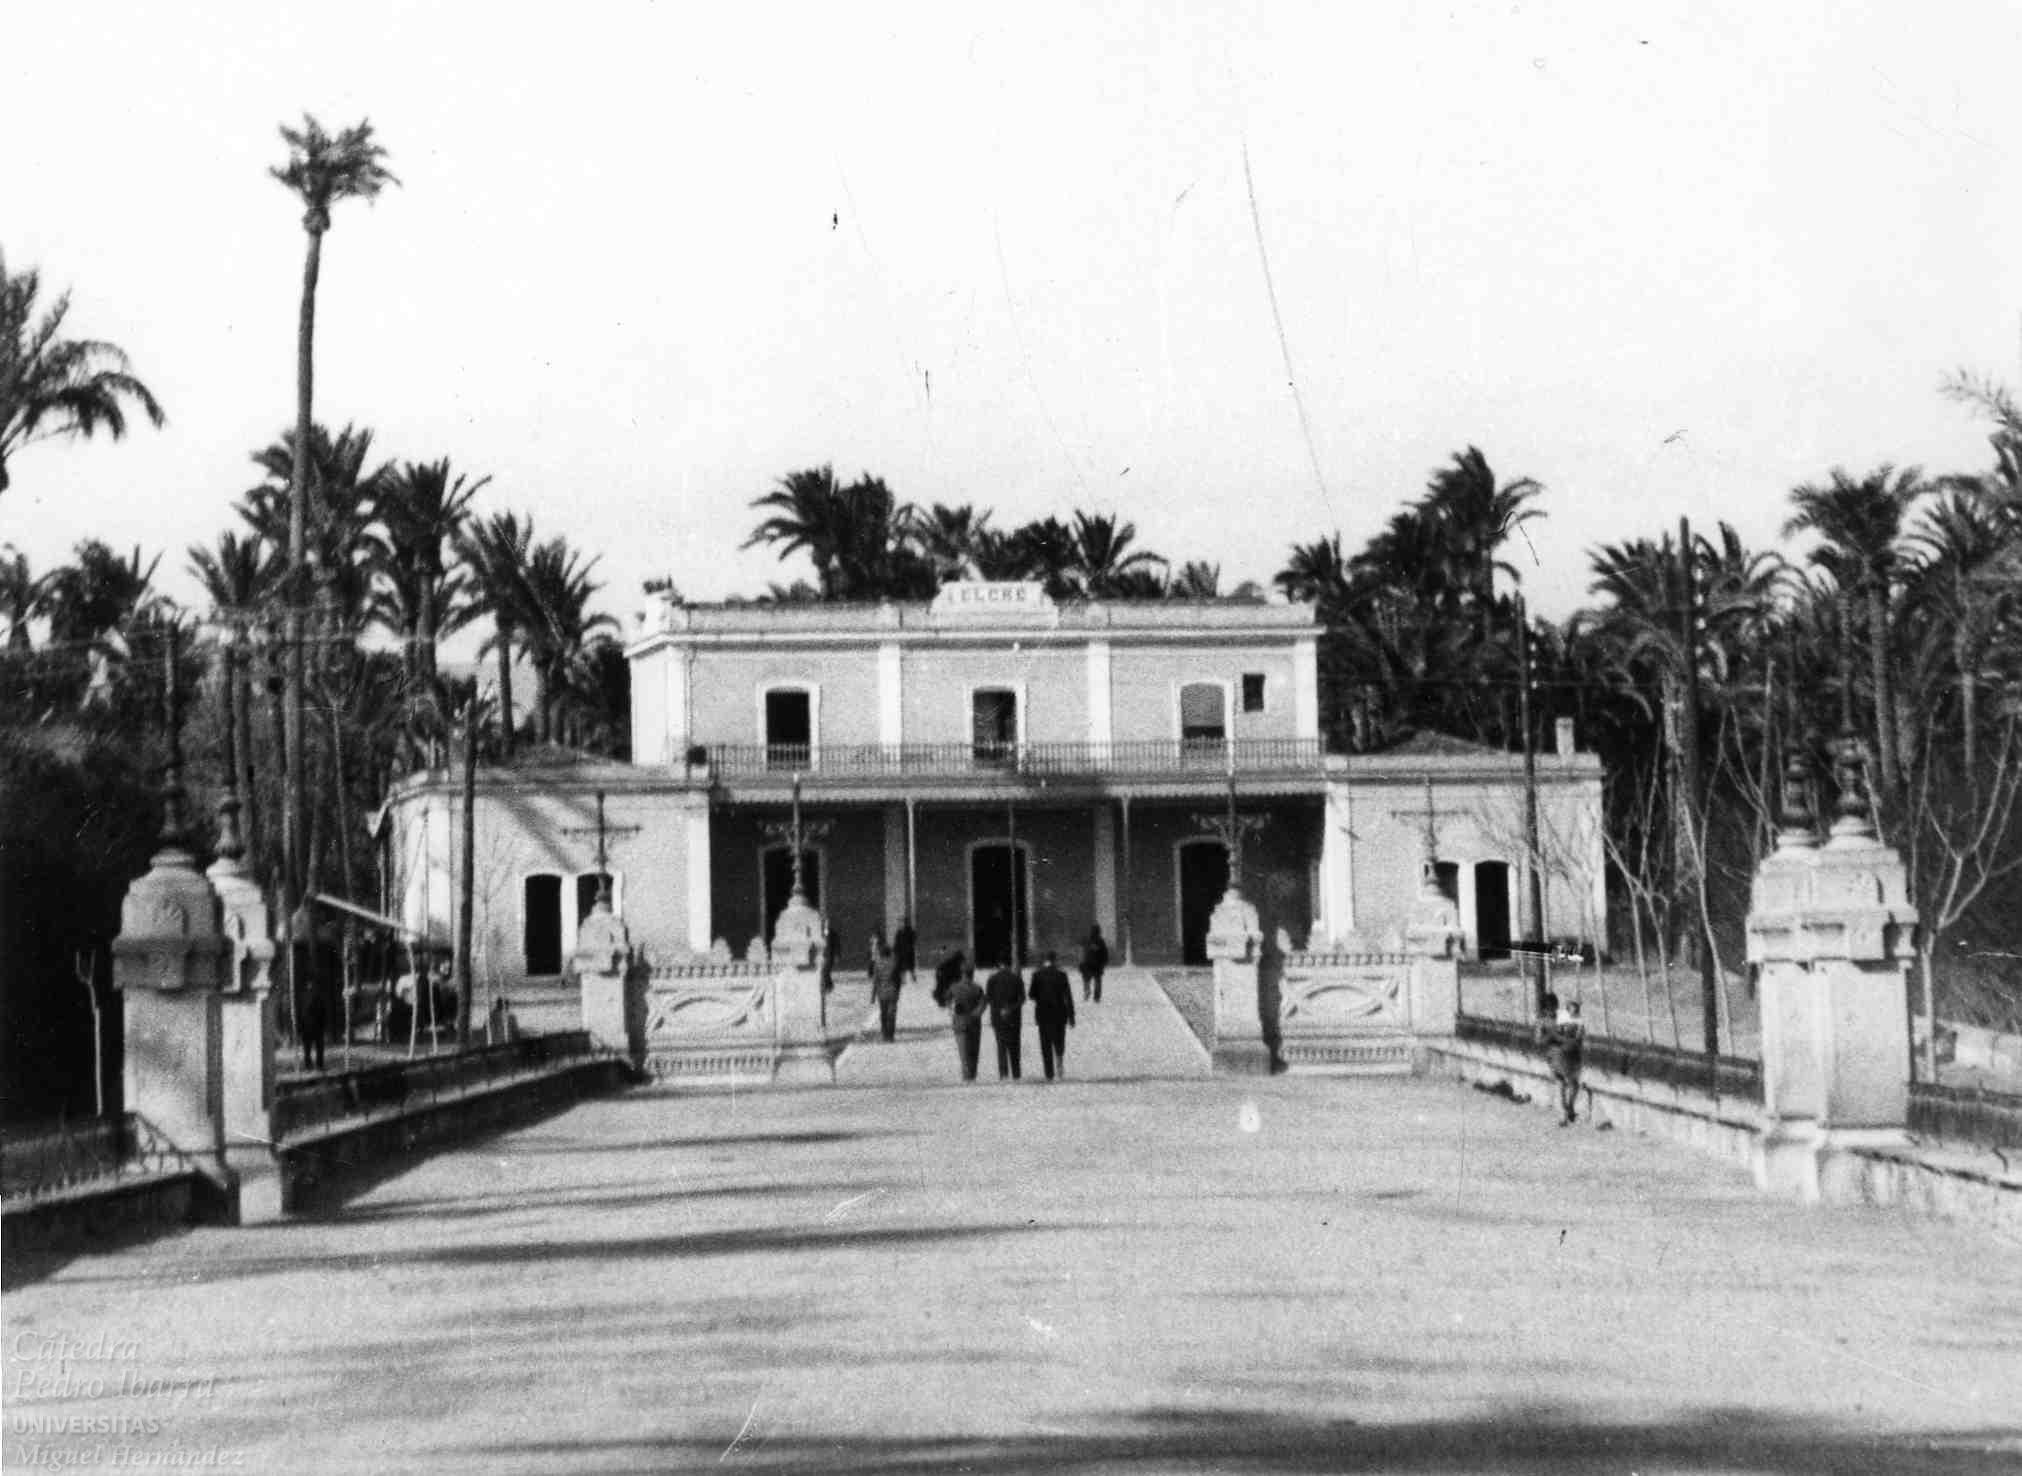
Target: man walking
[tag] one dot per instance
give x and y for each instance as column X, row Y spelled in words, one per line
column 1052, row 1012
column 1007, row 1018
column 885, row 985
column 965, row 1013
column 1094, row 959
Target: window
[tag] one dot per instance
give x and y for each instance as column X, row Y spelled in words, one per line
column 1253, row 691
column 1203, row 718
column 586, row 894
column 789, row 728
column 993, row 716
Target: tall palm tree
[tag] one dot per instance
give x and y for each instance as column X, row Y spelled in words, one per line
column 495, row 552
column 1860, row 525
column 321, row 170
column 345, row 492
column 1474, row 518
column 949, row 537
column 1962, row 585
column 559, row 589
column 54, row 386
column 805, row 517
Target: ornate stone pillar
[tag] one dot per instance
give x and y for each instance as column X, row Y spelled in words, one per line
column 1832, row 930
column 1432, row 937
column 614, row 988
column 1235, row 948
column 167, row 963
column 800, row 1009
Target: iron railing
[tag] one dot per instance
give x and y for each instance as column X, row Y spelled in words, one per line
column 1203, row 758
column 307, row 1104
column 1966, row 1114
column 1720, row 1076
column 100, row 1151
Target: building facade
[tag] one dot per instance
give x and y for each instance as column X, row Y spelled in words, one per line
column 1005, row 771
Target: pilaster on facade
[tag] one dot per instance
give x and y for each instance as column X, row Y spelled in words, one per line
column 1306, row 687
column 891, row 695
column 1101, row 725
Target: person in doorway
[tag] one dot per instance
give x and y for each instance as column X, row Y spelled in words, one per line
column 965, row 1013
column 906, row 951
column 947, row 974
column 831, row 957
column 1094, row 959
column 1564, row 1038
column 1053, row 1013
column 885, row 985
column 315, row 1027
column 1007, row 1019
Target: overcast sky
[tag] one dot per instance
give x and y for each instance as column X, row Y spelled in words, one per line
column 1667, row 259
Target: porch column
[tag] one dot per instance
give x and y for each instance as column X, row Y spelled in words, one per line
column 897, row 855
column 912, row 863
column 1126, row 931
column 1336, row 902
column 699, row 885
column 1105, row 869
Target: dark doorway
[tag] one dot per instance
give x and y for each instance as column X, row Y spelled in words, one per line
column 1491, row 909
column 1447, row 875
column 779, row 882
column 997, row 892
column 542, row 913
column 1203, row 878
column 586, row 894
column 789, row 730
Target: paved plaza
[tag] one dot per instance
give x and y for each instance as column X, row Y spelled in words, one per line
column 1106, row 1274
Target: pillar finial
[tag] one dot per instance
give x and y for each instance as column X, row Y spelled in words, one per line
column 174, row 816
column 1853, row 820
column 1797, row 812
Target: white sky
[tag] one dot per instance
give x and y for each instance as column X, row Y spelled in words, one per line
column 648, row 258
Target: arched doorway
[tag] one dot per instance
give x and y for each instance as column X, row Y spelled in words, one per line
column 1203, row 878
column 1000, row 908
column 541, row 925
column 1491, row 909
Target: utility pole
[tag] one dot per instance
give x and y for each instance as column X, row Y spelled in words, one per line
column 468, row 886
column 1533, row 881
column 1692, row 798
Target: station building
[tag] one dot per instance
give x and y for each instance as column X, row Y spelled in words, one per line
column 1005, row 770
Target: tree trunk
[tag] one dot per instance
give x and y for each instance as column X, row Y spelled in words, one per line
column 467, row 882
column 543, row 717
column 1885, row 697
column 293, row 795
column 247, row 776
column 1930, row 993
column 1969, row 696
column 505, row 690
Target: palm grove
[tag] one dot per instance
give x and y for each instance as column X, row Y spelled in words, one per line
column 1698, row 669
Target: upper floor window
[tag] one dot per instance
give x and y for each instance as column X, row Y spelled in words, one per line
column 1253, row 691
column 1203, row 715
column 993, row 723
column 789, row 728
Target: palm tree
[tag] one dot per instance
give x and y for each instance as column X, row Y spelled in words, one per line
column 1044, row 549
column 805, row 518
column 20, row 597
column 1966, row 548
column 495, row 552
column 1860, row 524
column 949, row 538
column 321, row 170
column 53, row 386
column 422, row 510
column 237, row 575
column 344, row 502
column 559, row 589
column 1106, row 565
column 1474, row 518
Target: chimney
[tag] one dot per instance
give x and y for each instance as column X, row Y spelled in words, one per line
column 1563, row 742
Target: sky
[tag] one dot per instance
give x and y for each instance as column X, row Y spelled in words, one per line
column 646, row 259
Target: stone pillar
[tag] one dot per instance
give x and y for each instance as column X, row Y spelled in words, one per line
column 800, row 1009
column 167, row 964
column 614, row 988
column 1832, row 931
column 246, row 1025
column 1235, row 947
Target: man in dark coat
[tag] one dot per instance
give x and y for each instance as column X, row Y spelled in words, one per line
column 965, row 1013
column 1007, row 1018
column 906, row 950
column 1094, row 959
column 1564, row 1038
column 947, row 974
column 885, row 984
column 1052, row 1012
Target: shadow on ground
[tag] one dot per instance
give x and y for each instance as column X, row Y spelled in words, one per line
column 1520, row 1441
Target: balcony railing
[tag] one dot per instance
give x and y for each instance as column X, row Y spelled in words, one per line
column 1191, row 758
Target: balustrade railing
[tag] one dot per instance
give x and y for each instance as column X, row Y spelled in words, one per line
column 65, row 1156
column 1721, row 1076
column 1205, row 758
column 309, row 1103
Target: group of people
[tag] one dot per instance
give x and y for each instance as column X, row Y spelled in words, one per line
column 1002, row 996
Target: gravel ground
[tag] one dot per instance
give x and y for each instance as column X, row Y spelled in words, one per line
column 1282, row 1275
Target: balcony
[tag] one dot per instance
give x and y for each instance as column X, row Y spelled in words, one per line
column 1198, row 760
